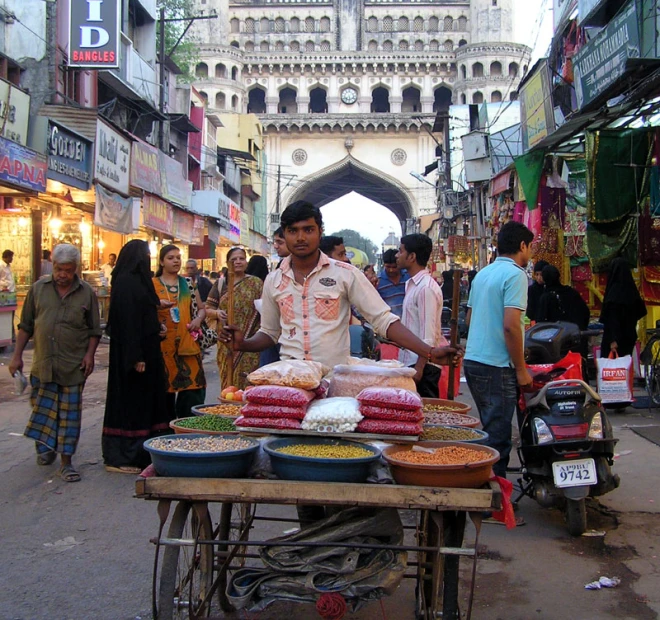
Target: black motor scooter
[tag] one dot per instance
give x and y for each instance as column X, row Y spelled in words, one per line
column 566, row 442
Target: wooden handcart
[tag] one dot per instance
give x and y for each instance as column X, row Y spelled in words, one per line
column 193, row 559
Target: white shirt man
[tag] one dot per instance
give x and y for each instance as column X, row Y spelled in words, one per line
column 7, row 282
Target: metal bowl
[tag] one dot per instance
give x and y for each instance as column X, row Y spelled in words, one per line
column 289, row 467
column 452, row 405
column 480, row 436
column 468, row 475
column 184, row 430
column 203, row 409
column 231, row 464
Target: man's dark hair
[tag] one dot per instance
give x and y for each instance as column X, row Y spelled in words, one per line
column 279, row 233
column 511, row 235
column 329, row 243
column 421, row 245
column 550, row 274
column 7, row 254
column 45, row 254
column 539, row 265
column 389, row 257
column 298, row 211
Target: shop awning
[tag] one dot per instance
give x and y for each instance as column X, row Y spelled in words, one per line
column 500, row 183
column 236, row 154
column 182, row 123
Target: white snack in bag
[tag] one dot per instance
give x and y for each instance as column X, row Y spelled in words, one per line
column 333, row 415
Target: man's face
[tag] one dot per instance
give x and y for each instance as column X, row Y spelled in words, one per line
column 403, row 258
column 279, row 244
column 9, row 259
column 339, row 253
column 303, row 238
column 526, row 254
column 64, row 274
column 191, row 269
column 392, row 270
column 538, row 277
column 112, row 259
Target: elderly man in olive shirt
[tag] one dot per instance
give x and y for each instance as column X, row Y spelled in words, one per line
column 61, row 314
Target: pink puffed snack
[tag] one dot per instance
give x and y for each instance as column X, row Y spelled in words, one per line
column 388, row 427
column 267, row 423
column 385, row 413
column 393, row 398
column 252, row 410
column 279, row 395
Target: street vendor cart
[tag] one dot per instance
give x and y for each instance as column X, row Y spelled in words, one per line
column 195, row 555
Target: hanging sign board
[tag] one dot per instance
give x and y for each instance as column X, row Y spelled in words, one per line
column 114, row 212
column 157, row 214
column 537, row 120
column 94, row 30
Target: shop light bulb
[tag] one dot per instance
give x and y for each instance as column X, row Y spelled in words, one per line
column 55, row 224
column 101, row 244
column 153, row 248
column 23, row 222
column 85, row 228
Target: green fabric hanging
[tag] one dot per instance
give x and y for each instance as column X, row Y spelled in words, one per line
column 607, row 241
column 614, row 183
column 529, row 168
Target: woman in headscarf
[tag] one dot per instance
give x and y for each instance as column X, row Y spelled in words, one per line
column 186, row 382
column 622, row 308
column 559, row 302
column 247, row 289
column 257, row 266
column 135, row 407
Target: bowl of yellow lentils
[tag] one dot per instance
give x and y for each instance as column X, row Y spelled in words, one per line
column 321, row 459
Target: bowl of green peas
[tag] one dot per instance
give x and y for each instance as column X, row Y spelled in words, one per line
column 208, row 424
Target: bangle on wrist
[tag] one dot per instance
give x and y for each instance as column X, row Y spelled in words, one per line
column 429, row 354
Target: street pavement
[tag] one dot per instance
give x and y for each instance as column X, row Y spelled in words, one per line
column 79, row 551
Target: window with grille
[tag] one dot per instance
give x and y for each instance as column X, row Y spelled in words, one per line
column 325, row 24
column 249, row 25
column 403, row 45
column 249, row 46
column 462, row 42
column 434, row 24
column 418, row 24
column 373, row 46
column 419, row 46
column 448, row 23
column 264, row 47
column 462, row 23
column 403, row 24
column 294, row 46
column 388, row 24
column 279, row 25
column 325, row 46
column 234, row 25
column 309, row 24
column 448, row 45
column 387, row 46
column 264, row 25
column 309, row 46
column 372, row 24
column 279, row 46
column 434, row 46
column 294, row 25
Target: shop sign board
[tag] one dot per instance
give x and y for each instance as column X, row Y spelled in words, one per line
column 22, row 166
column 114, row 212
column 14, row 113
column 157, row 214
column 198, row 230
column 174, row 186
column 145, row 170
column 69, row 156
column 536, row 111
column 213, row 231
column 245, row 229
column 602, row 61
column 225, row 205
column 234, row 223
column 94, row 30
column 113, row 152
column 183, row 225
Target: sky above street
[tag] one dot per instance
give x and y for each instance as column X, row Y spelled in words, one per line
column 533, row 27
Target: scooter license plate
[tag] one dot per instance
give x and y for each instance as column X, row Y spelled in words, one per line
column 576, row 473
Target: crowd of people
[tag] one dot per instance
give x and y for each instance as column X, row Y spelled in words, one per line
column 302, row 309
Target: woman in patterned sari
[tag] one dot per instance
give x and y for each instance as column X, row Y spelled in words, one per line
column 186, row 383
column 247, row 289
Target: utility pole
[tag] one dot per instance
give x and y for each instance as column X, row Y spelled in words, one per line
column 277, row 197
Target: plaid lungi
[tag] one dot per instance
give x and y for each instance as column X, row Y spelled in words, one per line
column 56, row 416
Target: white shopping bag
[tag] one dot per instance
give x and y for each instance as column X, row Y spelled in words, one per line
column 615, row 378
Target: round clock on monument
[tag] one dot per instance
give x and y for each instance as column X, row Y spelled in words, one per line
column 349, row 95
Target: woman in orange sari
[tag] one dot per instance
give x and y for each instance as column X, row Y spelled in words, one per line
column 247, row 289
column 186, row 383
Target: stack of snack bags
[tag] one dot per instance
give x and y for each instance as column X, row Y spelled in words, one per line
column 390, row 411
column 281, row 393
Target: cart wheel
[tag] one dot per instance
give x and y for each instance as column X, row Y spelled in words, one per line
column 235, row 521
column 187, row 573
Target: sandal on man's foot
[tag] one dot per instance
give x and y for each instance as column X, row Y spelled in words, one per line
column 124, row 469
column 46, row 458
column 69, row 474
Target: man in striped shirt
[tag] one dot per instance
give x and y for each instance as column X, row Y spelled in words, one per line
column 392, row 283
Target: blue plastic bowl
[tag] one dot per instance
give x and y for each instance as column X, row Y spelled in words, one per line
column 289, row 467
column 232, row 464
column 480, row 439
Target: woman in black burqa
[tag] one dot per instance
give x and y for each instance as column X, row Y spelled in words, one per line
column 135, row 407
column 622, row 308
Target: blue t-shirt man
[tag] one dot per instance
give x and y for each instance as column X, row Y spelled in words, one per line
column 392, row 283
column 494, row 362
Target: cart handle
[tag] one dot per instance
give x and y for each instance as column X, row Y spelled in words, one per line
column 540, row 398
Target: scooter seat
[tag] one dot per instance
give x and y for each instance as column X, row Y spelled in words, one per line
column 565, row 392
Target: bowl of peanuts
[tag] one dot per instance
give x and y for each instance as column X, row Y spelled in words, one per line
column 452, row 464
column 232, row 410
column 440, row 404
